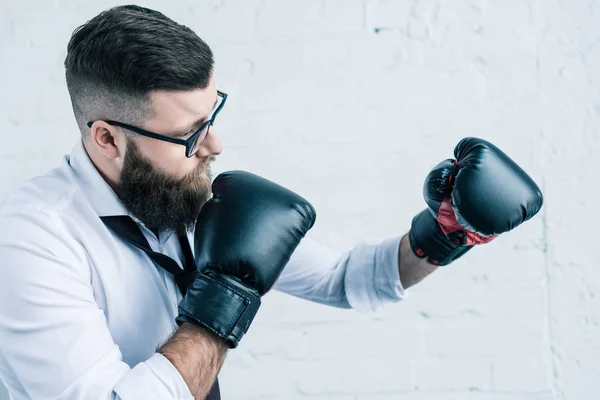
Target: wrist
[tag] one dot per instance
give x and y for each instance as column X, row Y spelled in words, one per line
column 197, row 354
column 411, row 269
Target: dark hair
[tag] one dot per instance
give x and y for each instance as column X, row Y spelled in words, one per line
column 118, row 57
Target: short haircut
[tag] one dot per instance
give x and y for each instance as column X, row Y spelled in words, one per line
column 115, row 60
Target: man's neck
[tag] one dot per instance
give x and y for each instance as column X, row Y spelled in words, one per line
column 104, row 166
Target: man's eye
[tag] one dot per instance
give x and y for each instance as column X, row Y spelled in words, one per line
column 185, row 135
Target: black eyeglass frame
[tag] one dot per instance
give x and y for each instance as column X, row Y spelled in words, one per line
column 190, row 143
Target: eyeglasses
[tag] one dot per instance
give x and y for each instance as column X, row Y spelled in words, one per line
column 192, row 143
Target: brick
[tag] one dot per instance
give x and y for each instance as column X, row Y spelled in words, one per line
column 491, row 338
column 311, row 17
column 363, row 376
column 522, row 376
column 387, row 14
column 265, row 343
column 375, row 340
column 460, row 395
column 259, row 378
column 483, row 300
column 452, row 374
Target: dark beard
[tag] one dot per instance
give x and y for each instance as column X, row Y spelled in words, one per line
column 159, row 201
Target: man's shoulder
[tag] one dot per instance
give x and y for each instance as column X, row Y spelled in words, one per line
column 40, row 231
column 49, row 194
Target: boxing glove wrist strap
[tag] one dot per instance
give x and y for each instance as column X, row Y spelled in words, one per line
column 428, row 240
column 220, row 303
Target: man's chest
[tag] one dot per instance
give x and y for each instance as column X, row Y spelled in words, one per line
column 139, row 300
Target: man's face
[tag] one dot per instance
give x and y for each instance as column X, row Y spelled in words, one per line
column 158, row 184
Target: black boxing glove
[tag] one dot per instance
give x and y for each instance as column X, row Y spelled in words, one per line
column 244, row 237
column 472, row 199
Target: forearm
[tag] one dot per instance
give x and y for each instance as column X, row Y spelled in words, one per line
column 198, row 355
column 412, row 268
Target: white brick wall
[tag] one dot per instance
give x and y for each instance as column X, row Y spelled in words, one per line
column 351, row 102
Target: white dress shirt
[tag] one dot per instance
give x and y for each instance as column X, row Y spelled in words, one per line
column 82, row 312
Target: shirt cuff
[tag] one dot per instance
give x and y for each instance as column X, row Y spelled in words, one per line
column 156, row 378
column 373, row 277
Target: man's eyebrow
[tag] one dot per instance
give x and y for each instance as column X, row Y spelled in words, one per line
column 195, row 125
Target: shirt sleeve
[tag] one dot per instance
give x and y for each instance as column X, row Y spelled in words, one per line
column 365, row 278
column 54, row 340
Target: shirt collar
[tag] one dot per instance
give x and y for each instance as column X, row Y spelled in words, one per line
column 97, row 191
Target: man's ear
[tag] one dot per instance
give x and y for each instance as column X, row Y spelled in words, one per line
column 108, row 140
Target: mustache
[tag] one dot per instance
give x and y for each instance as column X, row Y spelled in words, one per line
column 201, row 172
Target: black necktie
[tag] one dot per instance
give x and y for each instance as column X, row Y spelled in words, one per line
column 130, row 231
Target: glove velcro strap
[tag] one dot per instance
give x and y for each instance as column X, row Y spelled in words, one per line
column 221, row 304
column 428, row 240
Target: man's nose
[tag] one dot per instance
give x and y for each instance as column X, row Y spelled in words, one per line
column 211, row 146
